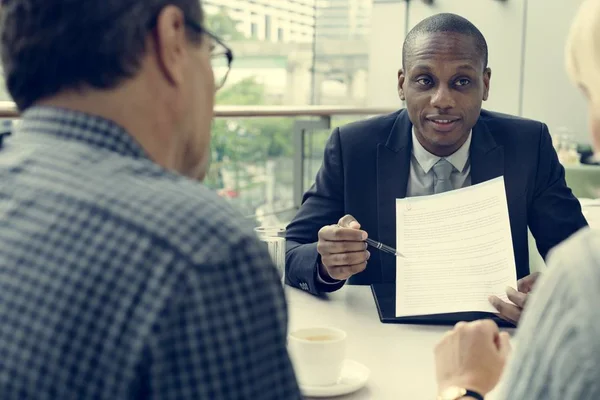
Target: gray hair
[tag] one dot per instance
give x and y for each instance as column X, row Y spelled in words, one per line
column 48, row 46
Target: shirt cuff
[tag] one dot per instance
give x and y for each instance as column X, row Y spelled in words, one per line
column 325, row 280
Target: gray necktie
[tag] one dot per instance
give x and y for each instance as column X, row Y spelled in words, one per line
column 442, row 171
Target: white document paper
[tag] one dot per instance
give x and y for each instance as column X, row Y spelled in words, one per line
column 458, row 250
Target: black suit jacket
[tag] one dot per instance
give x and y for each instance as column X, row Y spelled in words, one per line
column 366, row 167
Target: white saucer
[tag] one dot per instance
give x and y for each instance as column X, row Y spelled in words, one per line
column 354, row 376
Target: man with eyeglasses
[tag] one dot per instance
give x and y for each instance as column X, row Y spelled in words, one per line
column 122, row 277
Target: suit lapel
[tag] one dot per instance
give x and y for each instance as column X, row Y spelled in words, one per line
column 393, row 168
column 487, row 158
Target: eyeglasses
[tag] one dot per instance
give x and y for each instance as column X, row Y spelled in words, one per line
column 221, row 56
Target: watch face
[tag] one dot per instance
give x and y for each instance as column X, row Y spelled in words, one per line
column 453, row 393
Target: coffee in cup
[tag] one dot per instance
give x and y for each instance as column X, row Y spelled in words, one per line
column 317, row 355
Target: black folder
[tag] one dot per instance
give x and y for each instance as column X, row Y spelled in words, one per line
column 385, row 299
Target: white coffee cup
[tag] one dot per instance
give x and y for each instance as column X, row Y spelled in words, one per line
column 317, row 355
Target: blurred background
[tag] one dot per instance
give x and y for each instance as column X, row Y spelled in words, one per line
column 303, row 67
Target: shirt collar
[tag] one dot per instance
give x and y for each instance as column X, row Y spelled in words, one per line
column 426, row 160
column 77, row 126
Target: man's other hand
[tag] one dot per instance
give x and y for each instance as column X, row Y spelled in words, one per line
column 472, row 356
column 512, row 312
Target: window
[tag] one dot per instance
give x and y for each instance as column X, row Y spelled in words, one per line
column 267, row 27
column 275, row 64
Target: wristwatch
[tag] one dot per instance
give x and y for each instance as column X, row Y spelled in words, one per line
column 456, row 393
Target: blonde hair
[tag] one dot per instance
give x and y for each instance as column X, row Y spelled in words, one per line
column 583, row 49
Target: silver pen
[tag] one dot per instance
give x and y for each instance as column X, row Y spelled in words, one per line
column 383, row 247
column 380, row 246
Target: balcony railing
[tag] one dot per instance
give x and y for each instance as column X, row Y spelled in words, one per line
column 307, row 134
column 9, row 110
column 287, row 177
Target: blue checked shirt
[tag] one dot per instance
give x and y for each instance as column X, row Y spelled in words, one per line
column 122, row 280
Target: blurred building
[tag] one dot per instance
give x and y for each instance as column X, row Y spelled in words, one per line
column 342, row 51
column 343, row 19
column 270, row 20
column 302, row 51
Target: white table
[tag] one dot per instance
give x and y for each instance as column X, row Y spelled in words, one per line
column 400, row 357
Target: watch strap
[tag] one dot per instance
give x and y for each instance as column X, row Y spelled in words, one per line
column 474, row 395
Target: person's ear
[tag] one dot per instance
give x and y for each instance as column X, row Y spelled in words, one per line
column 487, row 75
column 170, row 43
column 401, row 79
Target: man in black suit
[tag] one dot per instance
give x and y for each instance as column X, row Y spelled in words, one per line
column 443, row 140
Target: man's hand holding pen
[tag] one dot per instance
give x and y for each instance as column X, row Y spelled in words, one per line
column 343, row 249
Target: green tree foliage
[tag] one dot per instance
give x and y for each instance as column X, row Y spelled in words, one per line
column 250, row 139
column 240, row 141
